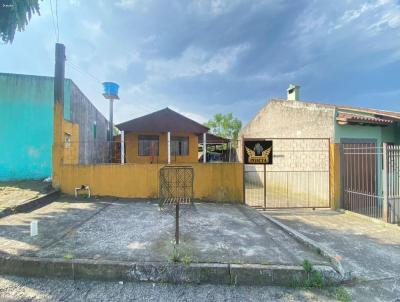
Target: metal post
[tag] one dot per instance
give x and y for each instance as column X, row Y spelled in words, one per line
column 169, row 146
column 177, row 222
column 204, row 147
column 110, row 138
column 265, row 187
column 385, row 184
column 122, row 147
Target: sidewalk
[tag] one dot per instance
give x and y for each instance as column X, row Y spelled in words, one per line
column 369, row 250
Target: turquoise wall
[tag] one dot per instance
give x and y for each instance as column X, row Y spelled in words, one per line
column 26, row 132
column 389, row 134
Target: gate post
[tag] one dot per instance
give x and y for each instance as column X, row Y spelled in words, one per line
column 265, row 187
column 385, row 184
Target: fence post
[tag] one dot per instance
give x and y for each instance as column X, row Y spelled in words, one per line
column 385, row 184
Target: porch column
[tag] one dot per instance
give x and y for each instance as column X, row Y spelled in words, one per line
column 169, row 147
column 122, row 147
column 204, row 147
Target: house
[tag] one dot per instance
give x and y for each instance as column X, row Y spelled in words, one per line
column 323, row 155
column 146, row 138
column 26, row 114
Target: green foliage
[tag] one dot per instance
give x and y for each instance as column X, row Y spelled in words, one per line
column 186, row 260
column 307, row 266
column 225, row 125
column 342, row 295
column 179, row 255
column 175, row 255
column 314, row 278
column 68, row 256
column 14, row 15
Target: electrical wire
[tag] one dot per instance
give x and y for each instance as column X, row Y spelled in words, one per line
column 53, row 19
column 58, row 29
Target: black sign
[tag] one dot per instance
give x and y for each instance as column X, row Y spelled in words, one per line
column 257, row 152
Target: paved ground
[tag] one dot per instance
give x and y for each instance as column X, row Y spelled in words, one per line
column 137, row 231
column 32, row 289
column 371, row 251
column 13, row 193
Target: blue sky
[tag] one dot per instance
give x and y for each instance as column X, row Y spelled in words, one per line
column 206, row 56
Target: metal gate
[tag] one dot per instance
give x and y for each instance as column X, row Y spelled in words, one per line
column 361, row 165
column 392, row 170
column 371, row 180
column 298, row 177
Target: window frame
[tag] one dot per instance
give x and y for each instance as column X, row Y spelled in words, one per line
column 147, row 138
column 179, row 139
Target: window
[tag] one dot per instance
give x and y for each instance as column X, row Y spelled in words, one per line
column 179, row 145
column 148, row 145
column 67, row 140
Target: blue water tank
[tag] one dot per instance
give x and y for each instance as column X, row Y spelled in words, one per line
column 110, row 89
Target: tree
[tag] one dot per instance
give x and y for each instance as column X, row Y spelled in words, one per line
column 14, row 15
column 225, row 125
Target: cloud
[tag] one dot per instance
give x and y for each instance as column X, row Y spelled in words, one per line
column 195, row 61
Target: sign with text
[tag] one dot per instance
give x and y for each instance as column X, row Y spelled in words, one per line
column 257, row 152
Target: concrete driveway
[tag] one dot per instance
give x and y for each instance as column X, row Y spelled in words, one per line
column 136, row 230
column 370, row 250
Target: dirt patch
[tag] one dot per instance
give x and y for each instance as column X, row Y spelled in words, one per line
column 13, row 193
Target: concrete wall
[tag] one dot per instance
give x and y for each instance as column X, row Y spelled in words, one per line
column 83, row 112
column 212, row 182
column 132, row 153
column 300, row 173
column 26, row 131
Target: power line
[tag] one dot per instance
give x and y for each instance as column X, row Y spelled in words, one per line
column 54, row 22
column 58, row 29
column 77, row 68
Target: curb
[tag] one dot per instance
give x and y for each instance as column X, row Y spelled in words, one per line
column 395, row 226
column 211, row 273
column 331, row 255
column 31, row 205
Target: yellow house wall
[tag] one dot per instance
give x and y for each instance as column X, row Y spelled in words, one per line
column 213, row 182
column 335, row 175
column 132, row 152
column 71, row 152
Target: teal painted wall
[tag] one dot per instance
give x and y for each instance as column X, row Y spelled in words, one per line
column 26, row 132
column 389, row 134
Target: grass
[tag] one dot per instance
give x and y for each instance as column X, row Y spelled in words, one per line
column 68, row 256
column 314, row 278
column 179, row 255
column 342, row 295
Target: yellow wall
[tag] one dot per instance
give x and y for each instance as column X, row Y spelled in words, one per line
column 131, row 147
column 71, row 151
column 335, row 175
column 214, row 182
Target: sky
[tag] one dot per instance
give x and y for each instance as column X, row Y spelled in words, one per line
column 202, row 57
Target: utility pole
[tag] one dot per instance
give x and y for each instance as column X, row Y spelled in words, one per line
column 58, row 116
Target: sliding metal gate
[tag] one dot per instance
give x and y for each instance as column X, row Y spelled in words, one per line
column 298, row 177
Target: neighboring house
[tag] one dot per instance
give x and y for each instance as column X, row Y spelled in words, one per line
column 307, row 138
column 146, row 138
column 26, row 133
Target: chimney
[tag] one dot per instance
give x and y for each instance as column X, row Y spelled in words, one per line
column 293, row 92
